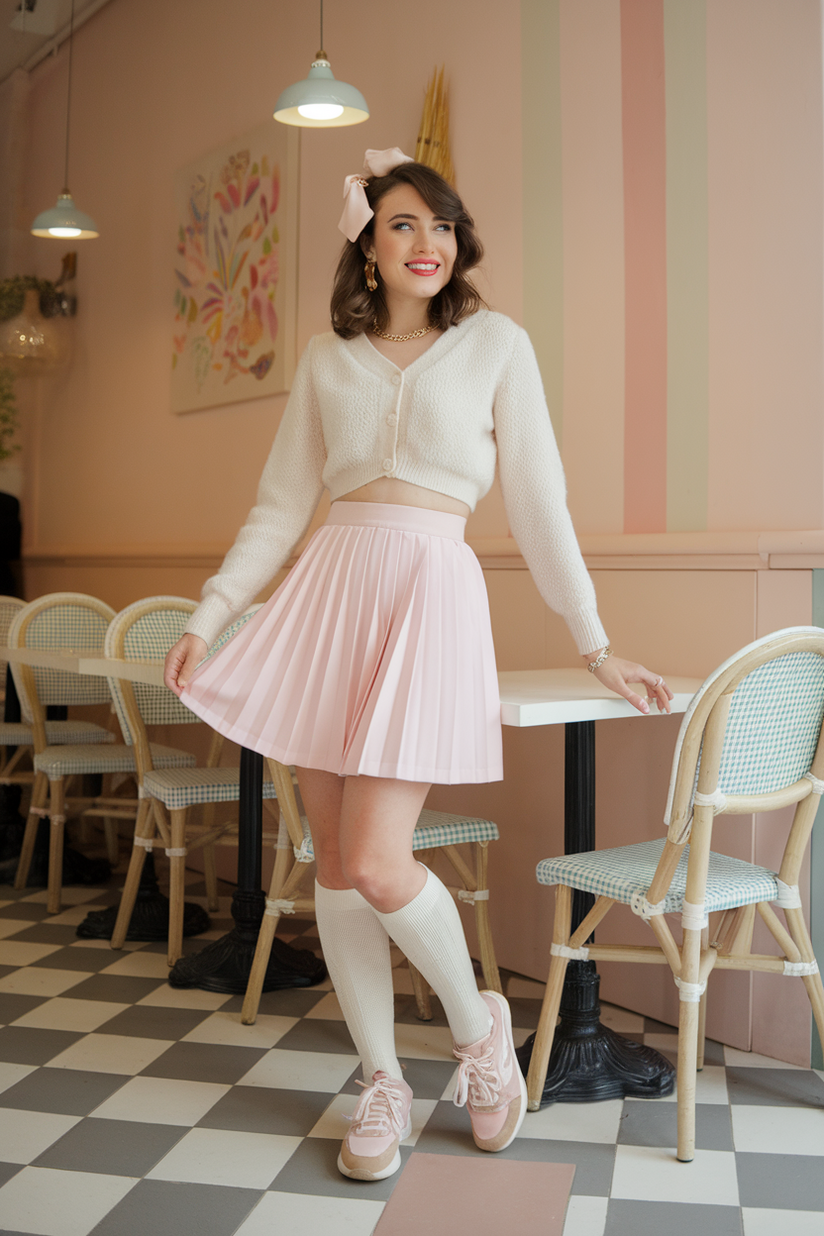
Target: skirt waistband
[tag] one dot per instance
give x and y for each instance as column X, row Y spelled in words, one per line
column 398, row 518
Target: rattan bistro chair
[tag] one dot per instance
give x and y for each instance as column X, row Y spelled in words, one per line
column 750, row 742
column 294, row 858
column 144, row 632
column 60, row 621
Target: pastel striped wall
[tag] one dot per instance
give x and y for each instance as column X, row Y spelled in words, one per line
column 673, row 257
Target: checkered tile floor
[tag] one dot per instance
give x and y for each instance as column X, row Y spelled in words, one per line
column 129, row 1107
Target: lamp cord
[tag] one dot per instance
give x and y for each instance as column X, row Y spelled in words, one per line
column 69, row 99
column 322, row 44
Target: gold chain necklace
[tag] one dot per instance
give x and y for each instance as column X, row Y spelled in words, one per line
column 415, row 334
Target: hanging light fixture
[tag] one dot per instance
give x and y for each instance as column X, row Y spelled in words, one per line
column 64, row 219
column 320, row 101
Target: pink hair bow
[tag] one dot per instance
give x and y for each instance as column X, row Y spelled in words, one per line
column 356, row 209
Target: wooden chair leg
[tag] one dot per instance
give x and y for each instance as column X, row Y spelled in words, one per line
column 492, row 977
column 702, row 1033
column 57, row 832
column 177, row 869
column 287, row 878
column 688, row 1025
column 112, row 836
column 144, row 830
column 39, row 797
column 552, row 1001
column 423, row 999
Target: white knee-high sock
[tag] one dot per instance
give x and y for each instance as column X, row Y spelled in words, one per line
column 356, row 952
column 430, row 932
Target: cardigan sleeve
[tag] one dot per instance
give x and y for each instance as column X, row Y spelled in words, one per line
column 288, row 494
column 534, row 491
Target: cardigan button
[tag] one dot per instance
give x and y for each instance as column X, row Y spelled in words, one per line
column 396, row 381
column 387, row 465
column 392, row 419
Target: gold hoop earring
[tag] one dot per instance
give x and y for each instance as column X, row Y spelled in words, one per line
column 369, row 272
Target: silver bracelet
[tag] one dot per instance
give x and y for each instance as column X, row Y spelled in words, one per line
column 600, row 659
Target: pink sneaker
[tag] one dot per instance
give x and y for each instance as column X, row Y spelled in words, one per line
column 490, row 1081
column 381, row 1121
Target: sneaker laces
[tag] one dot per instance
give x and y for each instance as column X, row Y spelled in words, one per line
column 379, row 1112
column 478, row 1080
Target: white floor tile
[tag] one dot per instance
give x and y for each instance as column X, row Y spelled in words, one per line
column 63, row 1013
column 423, row 1042
column 57, row 1203
column 70, row 895
column 301, row 1070
column 768, row 1130
column 328, row 1009
column 653, row 1174
column 73, row 915
column 111, row 1053
column 184, row 998
column 320, row 1216
column 622, row 1021
column 529, row 989
column 41, row 981
column 227, row 1029
column 162, row 1100
column 449, row 1088
column 665, row 1043
column 710, row 1087
column 758, row 1222
column 139, row 965
column 751, row 1060
column 333, row 1123
column 11, row 1074
column 25, row 1135
column 587, row 1216
column 221, row 1157
column 575, row 1122
column 10, row 926
column 17, row 953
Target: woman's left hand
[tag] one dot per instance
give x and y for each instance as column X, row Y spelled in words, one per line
column 617, row 674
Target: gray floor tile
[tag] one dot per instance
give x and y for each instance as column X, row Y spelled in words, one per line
column 13, row 1006
column 652, row 1218
column 29, row 1045
column 775, row 1087
column 77, row 959
column 4, row 970
column 45, row 933
column 257, row 1109
column 428, row 1078
column 115, row 988
column 67, row 1092
column 290, row 1002
column 655, row 1124
column 34, row 911
column 448, row 1131
column 7, row 1170
column 651, row 1026
column 113, row 1147
column 316, row 1034
column 781, row 1181
column 165, row 1208
column 713, row 1052
column 204, row 1062
column 313, row 1169
column 406, row 1012
column 150, row 1021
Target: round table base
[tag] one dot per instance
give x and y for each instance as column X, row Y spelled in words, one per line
column 589, row 1061
column 224, row 965
column 149, row 921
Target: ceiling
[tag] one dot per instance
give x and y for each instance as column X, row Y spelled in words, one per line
column 30, row 29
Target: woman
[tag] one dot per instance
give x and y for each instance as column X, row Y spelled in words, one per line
column 372, row 669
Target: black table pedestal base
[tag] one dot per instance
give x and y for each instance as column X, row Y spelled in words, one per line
column 224, row 965
column 150, row 916
column 589, row 1061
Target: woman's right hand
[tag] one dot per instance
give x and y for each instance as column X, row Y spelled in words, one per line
column 181, row 660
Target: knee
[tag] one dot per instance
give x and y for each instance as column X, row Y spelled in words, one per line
column 370, row 878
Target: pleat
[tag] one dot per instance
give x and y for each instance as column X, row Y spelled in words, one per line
column 374, row 658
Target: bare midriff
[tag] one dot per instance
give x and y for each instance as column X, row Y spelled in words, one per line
column 404, row 493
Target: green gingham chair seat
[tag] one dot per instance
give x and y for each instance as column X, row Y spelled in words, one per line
column 180, row 788
column 67, row 623
column 627, row 871
column 433, row 829
column 57, row 762
column 19, row 734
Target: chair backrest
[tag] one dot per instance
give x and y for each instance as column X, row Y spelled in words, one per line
column 9, row 609
column 59, row 621
column 145, row 631
column 753, row 730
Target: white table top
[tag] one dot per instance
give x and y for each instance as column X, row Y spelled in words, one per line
column 555, row 696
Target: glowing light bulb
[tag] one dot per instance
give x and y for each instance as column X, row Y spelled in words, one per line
column 320, row 111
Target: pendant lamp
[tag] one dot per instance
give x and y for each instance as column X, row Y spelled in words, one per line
column 64, row 219
column 320, row 101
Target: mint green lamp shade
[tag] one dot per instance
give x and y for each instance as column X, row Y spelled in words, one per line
column 320, row 101
column 65, row 220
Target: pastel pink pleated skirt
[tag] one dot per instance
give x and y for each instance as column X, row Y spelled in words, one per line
column 373, row 658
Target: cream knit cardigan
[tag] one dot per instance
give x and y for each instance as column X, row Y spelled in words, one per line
column 474, row 397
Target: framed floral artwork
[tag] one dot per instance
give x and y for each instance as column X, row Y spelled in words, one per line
column 235, row 271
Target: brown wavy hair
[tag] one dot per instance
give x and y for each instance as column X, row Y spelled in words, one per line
column 354, row 308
